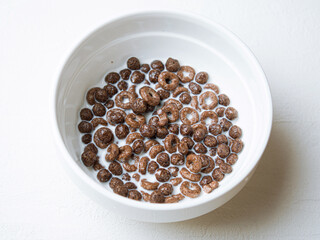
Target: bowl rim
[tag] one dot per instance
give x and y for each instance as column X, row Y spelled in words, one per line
column 139, row 204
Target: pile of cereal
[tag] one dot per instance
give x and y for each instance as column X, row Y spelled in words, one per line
column 155, row 134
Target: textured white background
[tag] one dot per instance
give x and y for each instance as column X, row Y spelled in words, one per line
column 37, row 199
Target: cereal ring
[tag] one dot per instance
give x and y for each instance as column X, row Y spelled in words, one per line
column 210, row 166
column 115, row 116
column 194, row 103
column 179, row 90
column 186, row 74
column 176, row 181
column 120, row 98
column 171, row 142
column 143, row 163
column 125, row 153
column 129, row 167
column 202, row 77
column 98, row 121
column 134, row 120
column 189, row 189
column 149, row 144
column 208, row 188
column 173, row 110
column 132, row 137
column 193, row 163
column 209, row 114
column 150, row 96
column 193, row 177
column 189, row 111
column 136, row 176
column 149, row 185
column 174, row 198
column 113, row 151
column 168, row 80
column 212, row 96
column 213, row 87
column 174, row 101
column 155, row 150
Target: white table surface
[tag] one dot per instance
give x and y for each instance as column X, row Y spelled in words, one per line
column 38, row 200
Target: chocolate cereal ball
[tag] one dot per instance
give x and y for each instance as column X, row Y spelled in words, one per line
column 122, row 85
column 115, row 182
column 104, row 134
column 85, row 127
column 115, row 168
column 172, row 65
column 109, row 104
column 166, row 189
column 112, row 77
column 139, row 106
column 121, row 190
column 174, row 128
column 199, row 134
column 137, row 77
column 99, row 110
column 86, row 114
column 104, row 175
column 157, row 197
column 111, row 90
column 195, row 88
column 162, row 175
column 220, row 111
column 125, row 74
column 116, row 118
column 222, row 139
column 138, row 146
column 235, row 132
column 202, row 77
column 135, row 195
column 152, row 167
column 163, row 94
column 225, row 124
column 101, row 95
column 224, row 99
column 121, row 131
column 133, row 63
column 88, row 158
column 86, row 138
column 210, row 141
column 200, row 148
column 163, row 159
column 147, row 130
column 158, row 65
column 223, row 150
column 215, row 129
column 185, row 98
column 162, row 132
column 177, row 159
column 186, row 130
column 231, row 113
column 145, row 68
column 154, row 75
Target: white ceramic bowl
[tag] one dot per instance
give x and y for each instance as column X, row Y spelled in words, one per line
column 194, row 41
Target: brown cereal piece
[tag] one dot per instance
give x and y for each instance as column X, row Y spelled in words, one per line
column 150, row 96
column 208, row 188
column 186, row 130
column 154, row 75
column 224, row 99
column 193, row 163
column 158, row 65
column 129, row 167
column 120, row 98
column 203, row 102
column 111, row 90
column 205, row 180
column 213, row 152
column 225, row 167
column 135, row 195
column 163, row 159
column 149, row 144
column 163, row 119
column 99, row 110
column 126, row 177
column 115, row 168
column 162, row 132
column 217, row 175
column 113, row 152
column 223, row 150
column 145, row 68
column 183, row 148
column 162, row 175
column 209, row 114
column 180, row 90
column 86, row 114
column 225, row 124
column 195, row 88
column 235, row 132
column 199, row 132
column 91, row 147
column 85, row 127
column 172, row 65
column 172, row 112
column 188, row 141
column 103, row 137
column 89, row 158
column 125, row 153
column 104, row 175
column 125, row 74
column 166, row 189
column 97, row 166
column 185, row 98
column 163, row 94
column 200, row 148
column 109, row 104
column 232, row 158
column 175, row 102
column 176, row 181
column 132, row 89
column 90, row 97
column 205, row 160
column 220, row 111
column 168, row 81
column 98, row 121
column 115, row 182
column 132, row 137
column 121, row 131
column 237, row 145
column 137, row 77
column 231, row 113
column 222, row 139
column 154, row 121
column 189, row 111
column 202, row 77
column 138, row 146
column 122, row 85
column 215, row 129
column 174, row 171
column 210, row 141
column 121, row 190
column 112, row 77
column 143, row 163
column 219, row 161
column 139, row 106
column 210, row 167
column 116, row 116
column 171, row 142
column 136, row 176
column 177, row 159
column 147, row 130
column 150, row 108
column 174, row 128
column 133, row 63
column 174, row 198
column 149, row 185
column 194, row 103
column 157, row 197
column 87, row 138
column 155, row 150
column 186, row 174
column 213, row 87
column 145, row 196
column 186, row 74
column 134, row 120
column 189, row 189
column 152, row 167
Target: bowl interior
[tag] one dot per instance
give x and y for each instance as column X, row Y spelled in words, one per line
column 194, row 42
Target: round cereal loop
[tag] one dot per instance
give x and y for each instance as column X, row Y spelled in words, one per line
column 193, row 163
column 115, row 168
column 231, row 113
column 162, row 175
column 104, row 175
column 232, row 158
column 186, row 74
column 132, row 137
column 223, row 150
column 145, row 68
column 150, row 96
column 86, row 114
column 122, row 85
column 152, row 167
column 172, row 112
column 189, row 111
column 193, row 177
column 215, row 129
column 191, row 190
column 90, row 97
column 86, row 138
column 137, row 77
column 212, row 104
column 235, row 132
column 111, row 90
column 209, row 114
column 171, row 142
column 113, row 152
column 174, row 101
column 133, row 63
column 116, row 116
column 99, row 110
column 121, row 131
column 195, row 88
column 85, row 127
column 217, row 175
column 166, row 189
column 135, row 195
column 119, row 100
column 210, row 141
column 168, row 81
column 177, row 159
column 179, row 90
column 224, row 99
column 148, row 130
column 135, row 121
column 200, row 148
column 112, row 77
column 103, row 137
column 98, row 121
column 237, row 146
column 138, row 146
column 139, row 106
column 125, row 153
column 213, row 87
column 89, row 158
column 202, row 77
column 154, row 75
column 157, row 197
column 172, row 65
column 125, row 74
column 158, row 65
